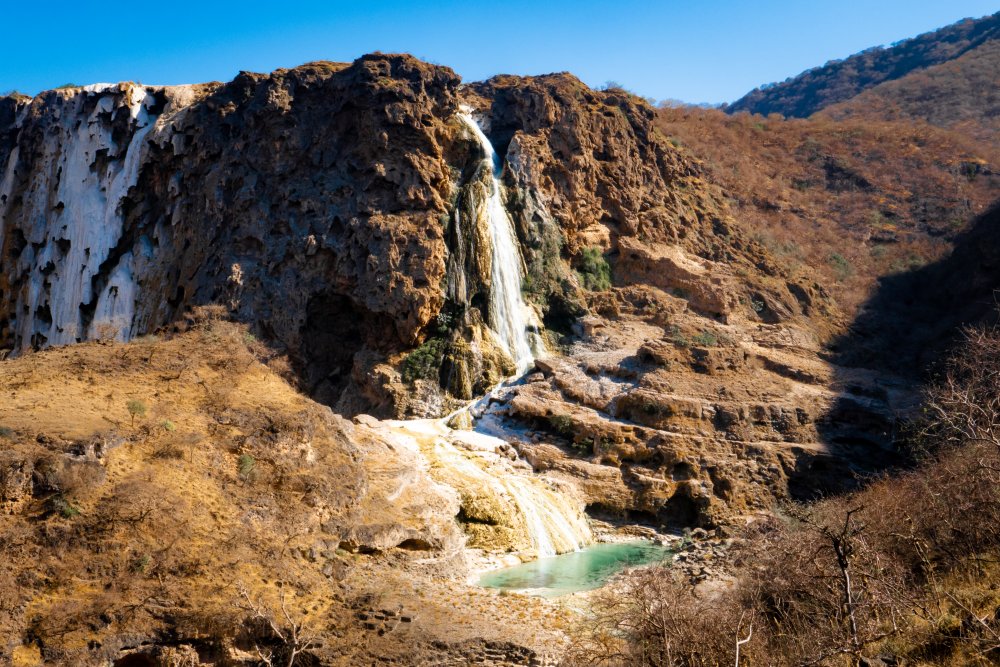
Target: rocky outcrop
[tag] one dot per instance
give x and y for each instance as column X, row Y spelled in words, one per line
column 329, row 190
column 679, row 419
column 69, row 159
column 323, row 190
column 329, row 205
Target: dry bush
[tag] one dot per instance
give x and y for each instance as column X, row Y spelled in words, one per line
column 56, row 474
column 655, row 618
column 278, row 633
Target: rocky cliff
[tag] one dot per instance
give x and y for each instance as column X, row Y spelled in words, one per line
column 320, row 204
column 333, row 207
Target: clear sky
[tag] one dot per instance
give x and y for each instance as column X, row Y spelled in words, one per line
column 709, row 51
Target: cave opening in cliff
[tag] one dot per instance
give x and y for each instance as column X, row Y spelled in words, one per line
column 335, row 330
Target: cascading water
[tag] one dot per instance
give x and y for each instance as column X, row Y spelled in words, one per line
column 470, row 461
column 509, row 316
column 551, row 518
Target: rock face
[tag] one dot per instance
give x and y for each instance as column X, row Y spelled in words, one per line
column 312, row 202
column 70, row 158
column 331, row 187
column 322, row 204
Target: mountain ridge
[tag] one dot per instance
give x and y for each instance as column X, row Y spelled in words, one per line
column 838, row 80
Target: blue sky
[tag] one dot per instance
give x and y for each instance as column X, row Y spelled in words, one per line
column 688, row 50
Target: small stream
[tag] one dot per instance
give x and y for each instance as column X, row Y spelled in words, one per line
column 583, row 570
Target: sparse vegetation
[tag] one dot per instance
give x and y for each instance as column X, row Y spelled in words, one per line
column 62, row 506
column 150, row 526
column 705, row 339
column 246, row 467
column 424, row 363
column 593, row 270
column 853, row 168
column 840, row 80
column 136, row 408
column 677, row 337
column 842, row 268
column 562, row 424
column 908, row 263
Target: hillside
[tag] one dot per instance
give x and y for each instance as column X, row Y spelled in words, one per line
column 840, row 80
column 854, row 201
column 960, row 94
column 175, row 497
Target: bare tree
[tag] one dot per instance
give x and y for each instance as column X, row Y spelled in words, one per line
column 292, row 634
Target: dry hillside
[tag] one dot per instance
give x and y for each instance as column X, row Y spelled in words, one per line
column 175, row 497
column 852, row 200
column 839, row 80
column 961, row 94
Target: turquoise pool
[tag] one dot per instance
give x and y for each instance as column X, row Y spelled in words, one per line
column 583, row 570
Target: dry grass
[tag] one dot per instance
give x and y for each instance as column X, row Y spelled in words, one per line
column 215, row 520
column 139, row 528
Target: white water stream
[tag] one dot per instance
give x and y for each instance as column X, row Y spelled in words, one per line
column 471, row 461
column 509, row 316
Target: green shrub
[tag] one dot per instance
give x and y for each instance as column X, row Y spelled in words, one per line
column 168, row 425
column 562, row 424
column 424, row 363
column 61, row 505
column 706, row 339
column 909, row 263
column 445, row 322
column 140, row 563
column 136, row 408
column 246, row 466
column 6, row 432
column 594, row 271
column 677, row 337
column 842, row 268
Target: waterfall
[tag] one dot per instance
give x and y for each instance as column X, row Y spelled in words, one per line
column 509, row 316
column 551, row 519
